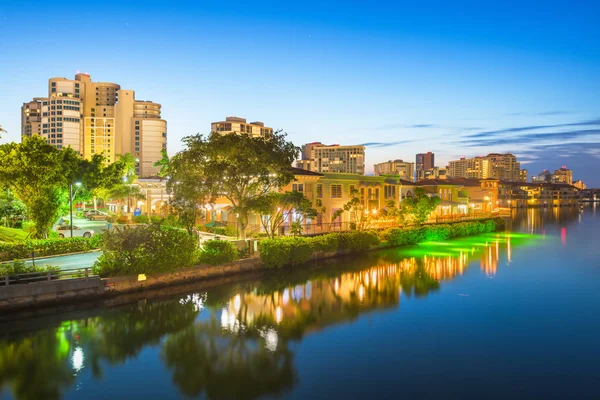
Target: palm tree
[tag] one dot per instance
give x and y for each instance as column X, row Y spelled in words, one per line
column 163, row 164
column 129, row 162
column 127, row 192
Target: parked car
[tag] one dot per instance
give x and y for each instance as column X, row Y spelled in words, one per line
column 65, row 231
column 87, row 213
column 97, row 216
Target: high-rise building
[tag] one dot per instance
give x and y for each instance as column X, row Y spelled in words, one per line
column 92, row 118
column 523, row 175
column 504, row 167
column 318, row 157
column 406, row 170
column 478, row 168
column 563, row 175
column 425, row 161
column 239, row 125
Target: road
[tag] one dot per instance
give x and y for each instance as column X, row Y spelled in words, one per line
column 96, row 226
column 83, row 260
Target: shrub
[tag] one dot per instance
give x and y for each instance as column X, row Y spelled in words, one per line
column 141, row 219
column 358, row 241
column 145, row 249
column 47, row 247
column 281, row 251
column 404, row 236
column 216, row 252
column 326, row 243
column 20, row 267
column 122, row 220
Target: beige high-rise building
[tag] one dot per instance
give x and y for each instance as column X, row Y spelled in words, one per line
column 318, row 157
column 504, row 167
column 406, row 170
column 523, row 175
column 563, row 175
column 239, row 125
column 98, row 118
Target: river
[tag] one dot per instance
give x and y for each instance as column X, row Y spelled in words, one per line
column 511, row 315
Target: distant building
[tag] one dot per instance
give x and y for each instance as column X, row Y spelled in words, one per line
column 580, row 185
column 523, row 175
column 563, row 175
column 432, row 173
column 405, row 170
column 240, row 126
column 97, row 118
column 425, row 161
column 318, row 157
column 543, row 177
column 504, row 167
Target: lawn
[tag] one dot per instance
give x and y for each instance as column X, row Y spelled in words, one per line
column 12, row 235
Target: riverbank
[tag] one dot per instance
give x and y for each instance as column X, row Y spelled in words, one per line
column 274, row 253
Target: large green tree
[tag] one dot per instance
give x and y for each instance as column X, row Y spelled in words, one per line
column 419, row 207
column 39, row 174
column 242, row 168
column 11, row 208
column 276, row 208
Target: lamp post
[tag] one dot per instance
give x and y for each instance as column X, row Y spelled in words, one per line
column 71, row 195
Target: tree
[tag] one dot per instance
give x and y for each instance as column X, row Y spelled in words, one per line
column 322, row 212
column 276, row 208
column 128, row 192
column 187, row 187
column 162, row 164
column 11, row 208
column 128, row 161
column 359, row 215
column 420, row 206
column 241, row 168
column 39, row 174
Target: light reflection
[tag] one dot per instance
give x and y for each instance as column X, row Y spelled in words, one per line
column 77, row 359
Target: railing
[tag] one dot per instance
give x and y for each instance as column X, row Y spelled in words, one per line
column 32, row 277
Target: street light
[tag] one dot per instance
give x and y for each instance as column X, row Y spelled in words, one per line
column 71, row 195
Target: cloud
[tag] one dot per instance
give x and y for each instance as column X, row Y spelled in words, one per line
column 385, row 144
column 545, row 113
column 422, row 126
column 531, row 138
column 532, row 128
column 402, row 126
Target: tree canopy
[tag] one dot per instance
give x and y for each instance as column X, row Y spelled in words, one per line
column 420, row 206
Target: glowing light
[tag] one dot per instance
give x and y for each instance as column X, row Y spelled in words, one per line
column 237, row 303
column 286, row 296
column 278, row 314
column 77, row 359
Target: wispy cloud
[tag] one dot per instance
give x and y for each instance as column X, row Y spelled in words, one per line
column 543, row 113
column 422, row 126
column 530, row 138
column 532, row 128
column 385, row 144
column 403, row 126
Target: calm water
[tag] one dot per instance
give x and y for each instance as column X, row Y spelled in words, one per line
column 497, row 316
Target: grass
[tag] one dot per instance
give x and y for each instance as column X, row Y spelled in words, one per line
column 12, row 235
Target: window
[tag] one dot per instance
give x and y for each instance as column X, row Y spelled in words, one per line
column 336, row 191
column 319, row 191
column 53, row 84
column 298, row 187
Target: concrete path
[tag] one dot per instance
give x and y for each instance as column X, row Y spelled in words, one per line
column 83, row 260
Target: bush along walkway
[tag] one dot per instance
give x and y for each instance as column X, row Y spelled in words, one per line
column 47, row 247
column 282, row 251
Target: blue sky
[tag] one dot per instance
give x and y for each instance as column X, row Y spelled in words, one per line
column 456, row 78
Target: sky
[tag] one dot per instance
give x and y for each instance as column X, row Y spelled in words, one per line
column 456, row 78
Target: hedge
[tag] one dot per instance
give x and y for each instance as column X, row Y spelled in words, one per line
column 47, row 247
column 144, row 249
column 217, row 252
column 281, row 251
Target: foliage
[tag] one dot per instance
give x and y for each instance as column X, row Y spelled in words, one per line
column 277, row 208
column 21, row 267
column 12, row 210
column 141, row 219
column 281, row 251
column 39, row 174
column 12, row 234
column 220, row 230
column 419, row 207
column 218, row 252
column 145, row 249
column 438, row 232
column 163, row 164
column 357, row 210
column 322, row 211
column 47, row 247
column 187, row 187
column 240, row 168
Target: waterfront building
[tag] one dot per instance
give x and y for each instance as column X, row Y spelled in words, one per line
column 563, row 175
column 317, row 157
column 405, row 170
column 538, row 194
column 97, row 118
column 523, row 175
column 425, row 161
column 497, row 166
column 580, row 185
column 239, row 126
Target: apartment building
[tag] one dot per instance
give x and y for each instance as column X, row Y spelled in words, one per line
column 432, row 173
column 425, row 161
column 240, row 126
column 405, row 170
column 92, row 118
column 318, row 157
column 504, row 167
column 563, row 175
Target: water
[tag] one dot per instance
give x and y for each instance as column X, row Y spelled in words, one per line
column 495, row 316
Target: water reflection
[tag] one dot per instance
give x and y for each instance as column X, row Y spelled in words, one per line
column 235, row 341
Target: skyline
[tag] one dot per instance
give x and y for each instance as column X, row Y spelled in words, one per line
column 463, row 81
